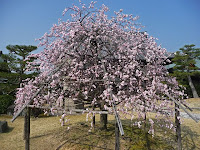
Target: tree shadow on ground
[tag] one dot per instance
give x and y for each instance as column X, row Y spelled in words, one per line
column 188, row 139
column 42, row 135
column 9, row 129
column 80, row 137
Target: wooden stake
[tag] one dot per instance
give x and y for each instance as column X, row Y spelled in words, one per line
column 93, row 118
column 178, row 127
column 27, row 129
column 117, row 139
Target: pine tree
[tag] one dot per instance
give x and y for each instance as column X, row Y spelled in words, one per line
column 7, row 78
column 7, row 84
column 17, row 56
column 185, row 64
column 12, row 72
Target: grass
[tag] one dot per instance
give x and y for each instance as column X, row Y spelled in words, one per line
column 194, row 103
column 47, row 134
column 42, row 127
column 100, row 139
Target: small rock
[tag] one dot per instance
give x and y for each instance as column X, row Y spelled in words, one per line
column 3, row 126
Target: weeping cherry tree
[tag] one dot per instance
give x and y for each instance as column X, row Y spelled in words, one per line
column 104, row 60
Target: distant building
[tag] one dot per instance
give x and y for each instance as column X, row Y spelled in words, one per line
column 169, row 66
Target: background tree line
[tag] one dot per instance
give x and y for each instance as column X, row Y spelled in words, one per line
column 12, row 72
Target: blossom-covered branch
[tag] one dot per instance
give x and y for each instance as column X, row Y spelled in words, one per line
column 90, row 41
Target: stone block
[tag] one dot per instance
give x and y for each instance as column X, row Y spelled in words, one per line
column 3, row 126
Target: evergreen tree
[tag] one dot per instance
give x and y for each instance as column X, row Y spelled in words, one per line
column 185, row 64
column 3, row 63
column 7, row 79
column 7, row 84
column 12, row 71
column 17, row 56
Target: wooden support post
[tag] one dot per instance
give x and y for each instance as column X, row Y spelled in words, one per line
column 27, row 129
column 117, row 139
column 178, row 127
column 93, row 118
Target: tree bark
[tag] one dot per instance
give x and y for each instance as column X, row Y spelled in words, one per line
column 148, row 146
column 194, row 92
column 103, row 117
column 178, row 127
column 104, row 120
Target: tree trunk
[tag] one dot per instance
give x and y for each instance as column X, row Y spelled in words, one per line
column 145, row 125
column 103, row 117
column 104, row 120
column 146, row 133
column 194, row 92
column 178, row 127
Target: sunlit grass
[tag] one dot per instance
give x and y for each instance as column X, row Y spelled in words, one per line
column 47, row 133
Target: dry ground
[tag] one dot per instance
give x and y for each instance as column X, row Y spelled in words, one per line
column 194, row 103
column 47, row 134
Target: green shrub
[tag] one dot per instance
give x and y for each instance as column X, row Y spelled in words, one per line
column 5, row 102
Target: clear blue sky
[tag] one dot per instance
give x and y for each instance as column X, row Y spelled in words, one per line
column 174, row 22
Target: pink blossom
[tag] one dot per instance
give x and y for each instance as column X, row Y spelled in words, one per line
column 104, row 60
